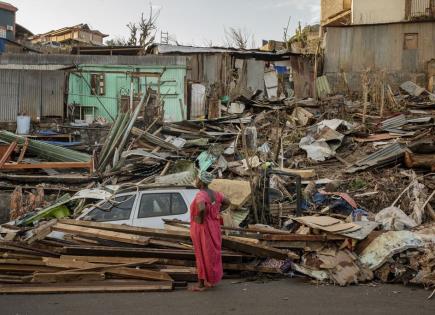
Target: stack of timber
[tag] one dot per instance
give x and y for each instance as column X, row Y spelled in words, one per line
column 102, row 257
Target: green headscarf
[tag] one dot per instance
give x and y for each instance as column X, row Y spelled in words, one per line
column 206, row 177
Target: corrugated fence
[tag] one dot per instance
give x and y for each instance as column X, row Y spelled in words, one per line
column 35, row 93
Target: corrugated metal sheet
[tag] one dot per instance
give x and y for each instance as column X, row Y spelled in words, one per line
column 8, row 95
column 378, row 47
column 388, row 154
column 197, row 108
column 394, row 123
column 29, row 101
column 38, row 59
column 52, row 93
column 32, row 92
column 32, row 67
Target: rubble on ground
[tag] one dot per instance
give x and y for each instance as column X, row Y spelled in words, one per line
column 332, row 190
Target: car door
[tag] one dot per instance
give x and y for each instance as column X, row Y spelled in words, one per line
column 118, row 210
column 154, row 206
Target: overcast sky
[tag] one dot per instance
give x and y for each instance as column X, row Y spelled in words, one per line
column 191, row 22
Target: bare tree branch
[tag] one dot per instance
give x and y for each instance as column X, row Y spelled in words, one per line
column 132, row 41
column 237, row 37
column 148, row 27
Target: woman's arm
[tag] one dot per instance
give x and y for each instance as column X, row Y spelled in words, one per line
column 201, row 213
column 226, row 203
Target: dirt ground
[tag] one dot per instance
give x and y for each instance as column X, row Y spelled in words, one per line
column 290, row 296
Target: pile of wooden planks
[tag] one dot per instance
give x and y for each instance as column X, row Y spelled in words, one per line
column 100, row 257
column 84, row 256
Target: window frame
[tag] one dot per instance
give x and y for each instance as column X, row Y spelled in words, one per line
column 5, row 30
column 171, row 202
column 95, row 84
column 407, row 39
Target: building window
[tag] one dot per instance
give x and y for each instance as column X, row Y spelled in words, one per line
column 98, row 84
column 2, row 32
column 410, row 41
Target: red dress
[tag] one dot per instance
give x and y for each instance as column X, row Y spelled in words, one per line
column 207, row 238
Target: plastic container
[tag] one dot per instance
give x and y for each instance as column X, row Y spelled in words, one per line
column 23, row 125
column 89, row 119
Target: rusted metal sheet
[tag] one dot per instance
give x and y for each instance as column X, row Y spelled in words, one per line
column 8, row 95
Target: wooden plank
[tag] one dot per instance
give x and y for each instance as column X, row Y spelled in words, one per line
column 304, row 174
column 111, row 260
column 129, row 229
column 247, row 267
column 142, row 274
column 28, row 262
column 182, row 274
column 168, row 244
column 40, row 232
column 7, row 154
column 140, row 252
column 103, row 287
column 103, row 234
column 27, row 268
column 68, row 264
column 255, row 249
column 67, row 277
column 299, row 237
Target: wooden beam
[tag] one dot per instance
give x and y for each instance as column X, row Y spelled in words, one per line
column 48, row 165
column 129, row 229
column 142, row 274
column 111, row 260
column 83, row 287
column 103, row 234
column 141, row 252
column 67, row 277
column 8, row 153
column 255, row 249
column 300, row 237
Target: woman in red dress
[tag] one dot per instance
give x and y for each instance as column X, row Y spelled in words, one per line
column 205, row 232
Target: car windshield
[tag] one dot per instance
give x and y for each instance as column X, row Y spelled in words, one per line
column 116, row 209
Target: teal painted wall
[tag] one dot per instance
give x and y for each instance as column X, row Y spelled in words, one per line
column 118, row 84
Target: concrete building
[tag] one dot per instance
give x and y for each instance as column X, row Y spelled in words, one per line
column 393, row 36
column 7, row 20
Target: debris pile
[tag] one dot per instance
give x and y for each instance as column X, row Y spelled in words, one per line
column 338, row 189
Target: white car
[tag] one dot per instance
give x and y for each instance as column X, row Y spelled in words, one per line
column 143, row 208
